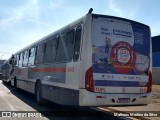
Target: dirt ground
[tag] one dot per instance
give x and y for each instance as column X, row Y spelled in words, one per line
column 156, row 94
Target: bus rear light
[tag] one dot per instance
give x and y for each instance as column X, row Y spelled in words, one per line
column 149, row 89
column 89, row 82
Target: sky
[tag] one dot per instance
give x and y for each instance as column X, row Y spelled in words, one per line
column 23, row 22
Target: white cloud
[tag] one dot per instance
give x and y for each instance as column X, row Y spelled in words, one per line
column 19, row 37
column 18, row 14
column 54, row 4
column 9, row 21
column 115, row 8
column 40, row 22
column 122, row 9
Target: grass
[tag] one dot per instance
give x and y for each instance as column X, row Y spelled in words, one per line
column 156, row 93
column 156, row 88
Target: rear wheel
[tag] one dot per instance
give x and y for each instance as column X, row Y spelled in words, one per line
column 15, row 84
column 38, row 93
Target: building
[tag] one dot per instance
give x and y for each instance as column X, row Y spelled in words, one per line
column 156, row 59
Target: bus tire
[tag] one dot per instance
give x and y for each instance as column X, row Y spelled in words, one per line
column 15, row 84
column 38, row 94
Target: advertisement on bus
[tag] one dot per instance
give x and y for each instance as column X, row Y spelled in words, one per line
column 120, row 50
column 120, row 47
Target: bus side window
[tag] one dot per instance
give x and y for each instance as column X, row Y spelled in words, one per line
column 31, row 56
column 77, row 44
column 48, row 52
column 16, row 60
column 21, row 59
column 25, row 58
column 70, row 43
column 54, row 48
column 40, row 54
column 61, row 49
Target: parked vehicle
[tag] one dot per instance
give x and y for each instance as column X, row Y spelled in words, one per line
column 98, row 60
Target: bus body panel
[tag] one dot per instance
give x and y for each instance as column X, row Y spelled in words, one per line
column 59, row 80
column 73, row 75
column 121, row 55
column 102, row 99
column 60, row 95
column 86, row 53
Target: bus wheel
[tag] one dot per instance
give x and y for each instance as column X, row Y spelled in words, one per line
column 15, row 84
column 38, row 94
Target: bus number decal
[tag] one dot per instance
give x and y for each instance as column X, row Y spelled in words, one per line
column 70, row 69
column 142, row 90
column 99, row 89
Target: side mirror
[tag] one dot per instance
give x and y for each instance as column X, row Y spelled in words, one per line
column 10, row 62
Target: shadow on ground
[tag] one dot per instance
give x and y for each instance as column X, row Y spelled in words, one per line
column 52, row 111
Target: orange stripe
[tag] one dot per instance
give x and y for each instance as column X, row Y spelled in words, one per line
column 49, row 70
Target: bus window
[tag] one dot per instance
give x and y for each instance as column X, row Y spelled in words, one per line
column 25, row 58
column 61, row 49
column 77, row 44
column 43, row 47
column 48, row 57
column 36, row 48
column 70, row 42
column 54, row 48
column 16, row 60
column 19, row 56
column 40, row 53
column 31, row 56
column 21, row 59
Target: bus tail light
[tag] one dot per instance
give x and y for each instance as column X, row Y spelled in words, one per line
column 89, row 82
column 149, row 89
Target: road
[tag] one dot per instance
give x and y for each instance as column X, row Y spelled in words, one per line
column 23, row 104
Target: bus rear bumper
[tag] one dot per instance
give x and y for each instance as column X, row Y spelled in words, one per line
column 108, row 99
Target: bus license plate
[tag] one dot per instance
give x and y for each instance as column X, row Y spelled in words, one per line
column 123, row 100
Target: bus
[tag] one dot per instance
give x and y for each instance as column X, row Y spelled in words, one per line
column 97, row 60
column 7, row 70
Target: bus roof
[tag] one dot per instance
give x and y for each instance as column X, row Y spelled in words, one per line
column 78, row 21
column 55, row 33
column 119, row 18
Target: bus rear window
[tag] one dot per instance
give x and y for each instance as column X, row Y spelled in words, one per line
column 77, row 44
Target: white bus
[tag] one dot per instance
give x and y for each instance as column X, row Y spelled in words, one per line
column 7, row 70
column 98, row 60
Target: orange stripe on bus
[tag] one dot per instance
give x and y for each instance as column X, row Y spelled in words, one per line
column 49, row 70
